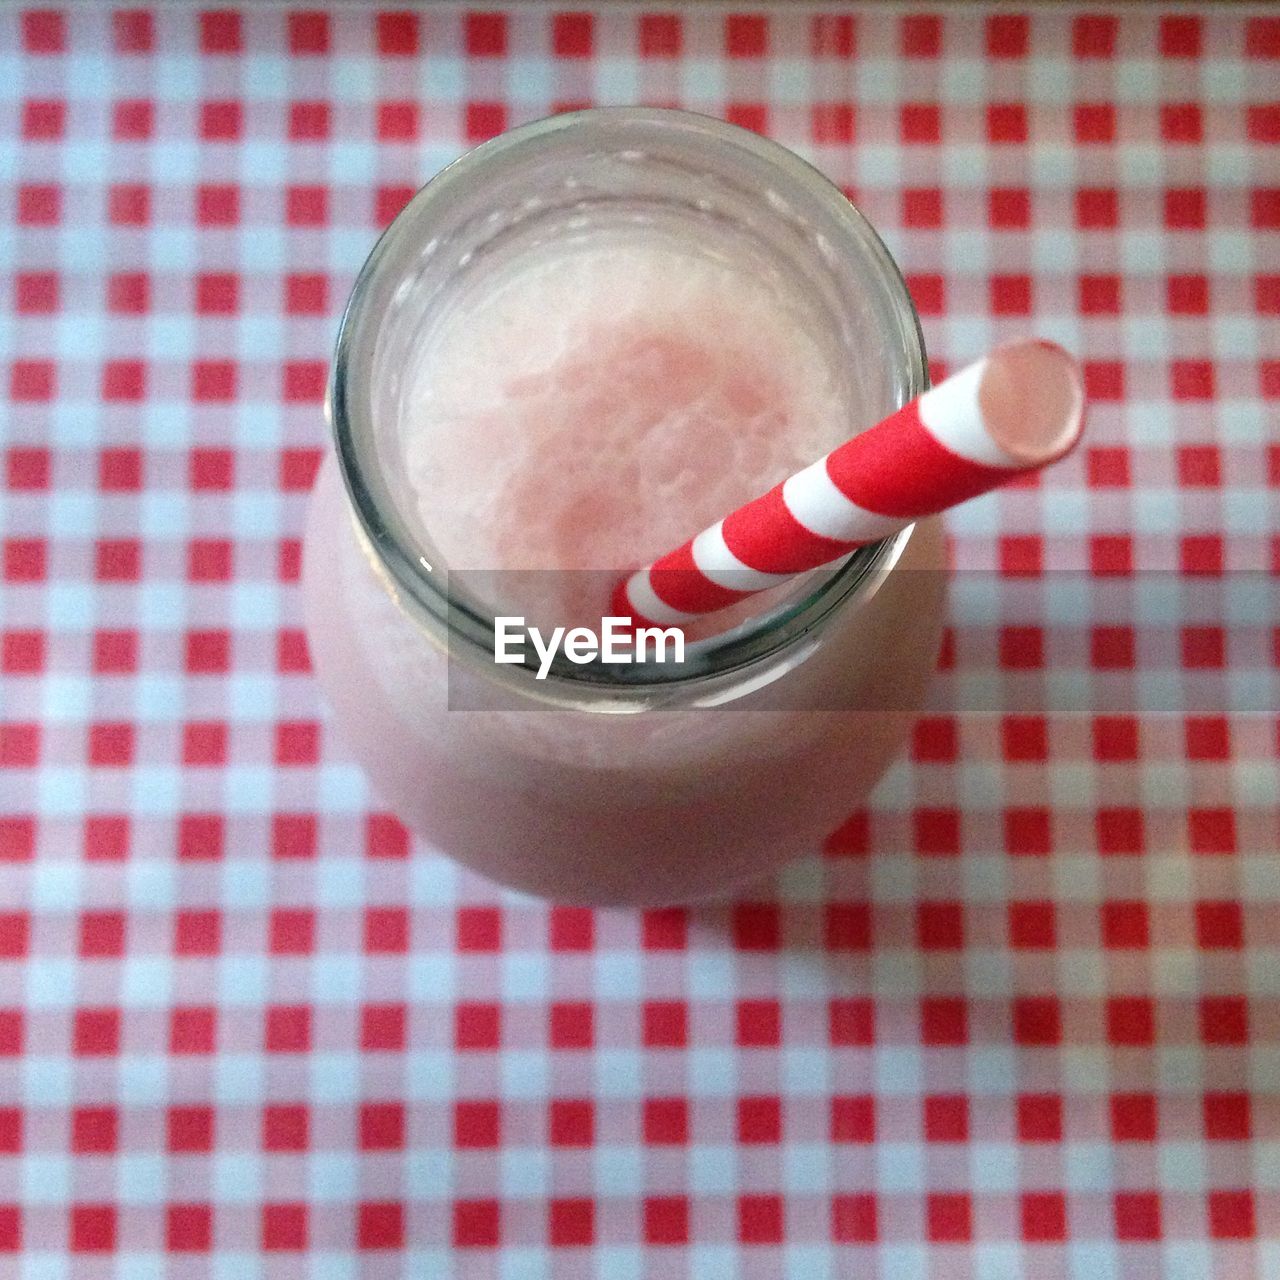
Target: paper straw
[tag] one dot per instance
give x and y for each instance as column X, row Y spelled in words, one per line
column 1019, row 409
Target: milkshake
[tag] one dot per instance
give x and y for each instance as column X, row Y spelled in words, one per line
column 574, row 349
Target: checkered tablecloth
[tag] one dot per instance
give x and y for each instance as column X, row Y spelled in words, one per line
column 1020, row 1017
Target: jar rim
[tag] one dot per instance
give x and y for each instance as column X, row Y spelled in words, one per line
column 419, row 586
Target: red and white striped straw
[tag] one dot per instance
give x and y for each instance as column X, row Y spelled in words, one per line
column 1017, row 410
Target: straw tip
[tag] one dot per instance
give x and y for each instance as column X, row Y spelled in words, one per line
column 1032, row 397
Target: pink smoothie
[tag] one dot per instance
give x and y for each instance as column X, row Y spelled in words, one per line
column 591, row 409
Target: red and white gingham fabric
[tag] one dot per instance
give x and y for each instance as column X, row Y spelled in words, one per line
column 1022, row 1015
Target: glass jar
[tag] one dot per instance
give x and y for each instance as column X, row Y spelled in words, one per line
column 615, row 785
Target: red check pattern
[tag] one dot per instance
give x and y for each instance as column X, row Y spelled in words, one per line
column 1021, row 1016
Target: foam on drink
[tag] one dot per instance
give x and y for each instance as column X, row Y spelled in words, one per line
column 590, row 408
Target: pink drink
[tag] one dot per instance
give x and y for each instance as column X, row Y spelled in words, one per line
column 584, row 402
column 594, row 403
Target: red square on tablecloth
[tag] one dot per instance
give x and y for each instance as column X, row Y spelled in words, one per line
column 398, row 33
column 309, row 32
column 854, row 1218
column 659, row 35
column 285, row 1227
column 853, row 1119
column 571, row 1123
column 189, row 1228
column 666, row 1220
column 190, row 1129
column 133, row 31
column 666, row 1121
column 746, row 35
column 486, row 34
column 571, row 1222
column 380, row 1226
column 573, row 34
column 476, row 1223
column 221, row 31
column 1032, row 925
column 1227, row 1117
column 92, row 1228
column 760, row 1219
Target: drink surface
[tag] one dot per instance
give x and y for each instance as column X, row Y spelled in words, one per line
column 592, row 407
